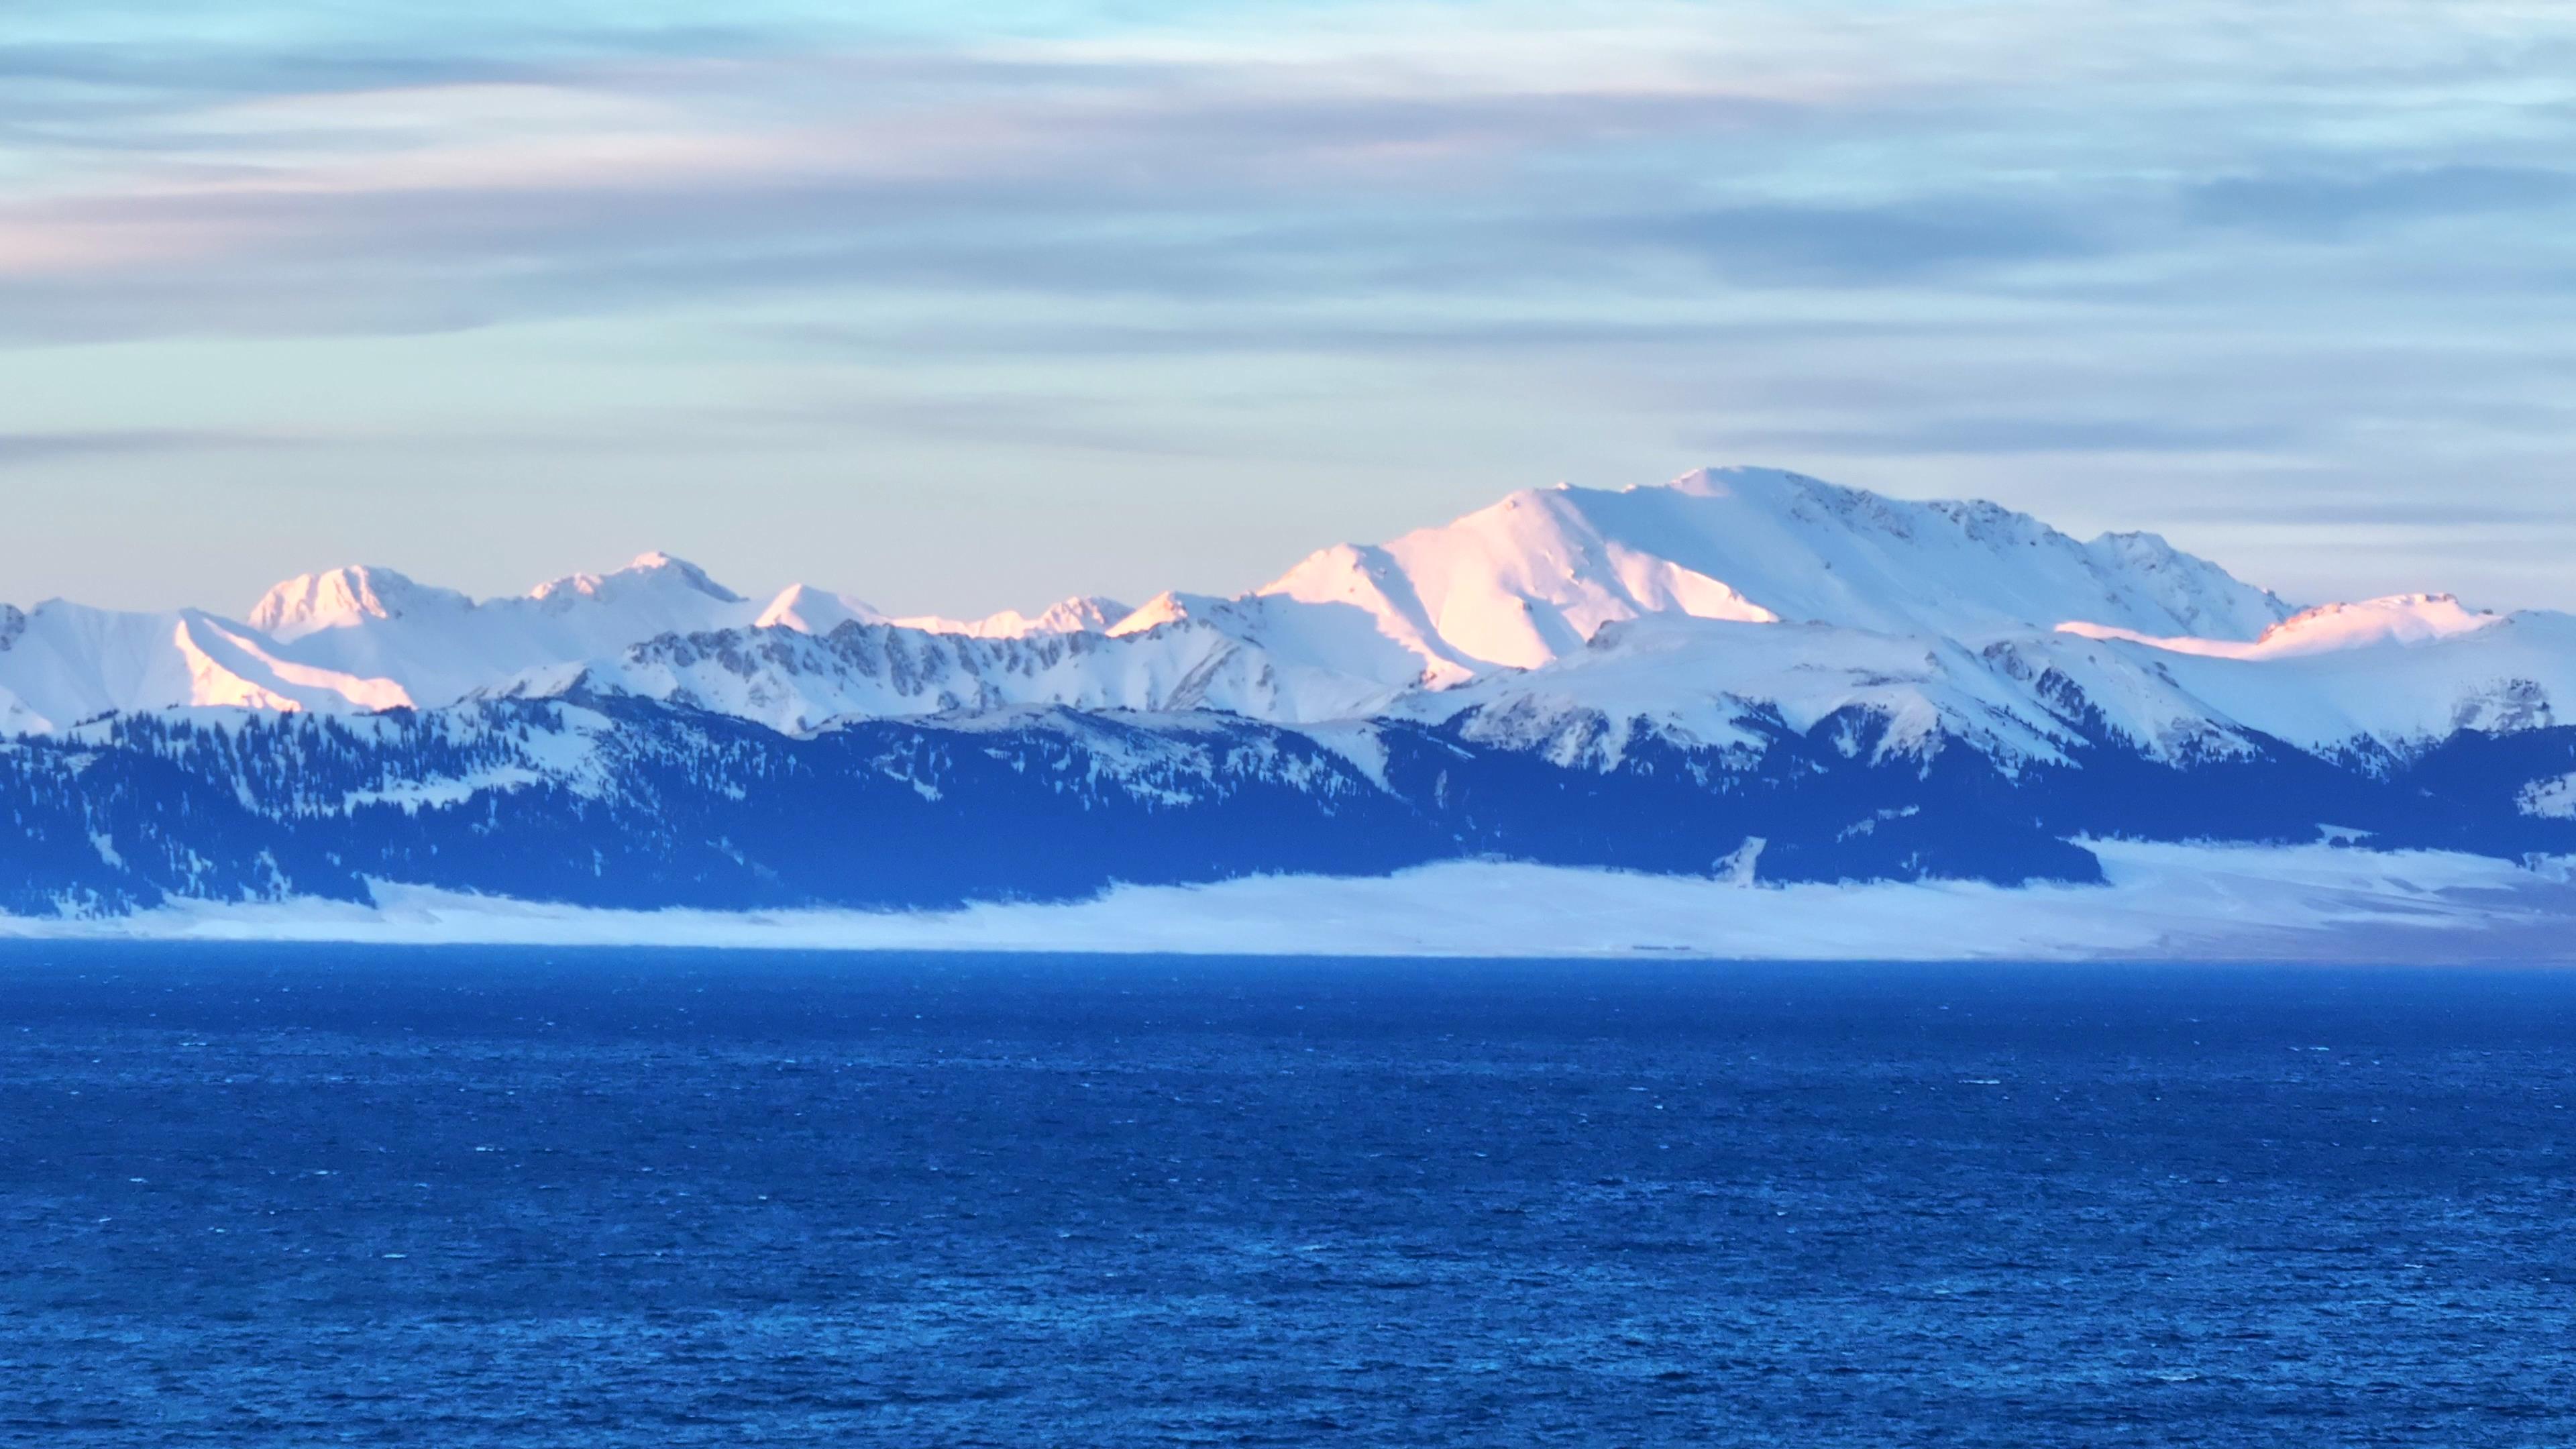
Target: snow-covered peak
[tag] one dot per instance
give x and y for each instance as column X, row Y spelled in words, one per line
column 1691, row 605
column 1963, row 565
column 2400, row 619
column 655, row 571
column 1167, row 607
column 2397, row 619
column 70, row 662
column 1081, row 614
column 809, row 610
column 442, row 654
column 1086, row 613
column 1531, row 578
column 342, row 597
column 2203, row 598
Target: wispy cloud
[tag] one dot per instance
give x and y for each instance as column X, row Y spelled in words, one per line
column 2327, row 204
column 30, row 448
column 1994, row 239
column 1990, row 435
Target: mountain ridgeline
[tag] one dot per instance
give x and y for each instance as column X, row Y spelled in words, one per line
column 1744, row 674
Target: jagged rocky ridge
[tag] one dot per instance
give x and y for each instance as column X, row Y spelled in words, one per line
column 1745, row 673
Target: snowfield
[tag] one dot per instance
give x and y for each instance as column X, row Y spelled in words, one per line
column 2163, row 902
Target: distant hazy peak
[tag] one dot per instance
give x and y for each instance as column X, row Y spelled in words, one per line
column 1081, row 614
column 2399, row 619
column 1168, row 607
column 339, row 597
column 809, row 610
column 656, row 570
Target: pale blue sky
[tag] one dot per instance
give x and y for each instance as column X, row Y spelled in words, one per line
column 1109, row 297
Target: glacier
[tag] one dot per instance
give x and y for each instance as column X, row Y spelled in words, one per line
column 1742, row 677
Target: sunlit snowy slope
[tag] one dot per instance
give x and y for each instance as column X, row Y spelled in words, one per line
column 1744, row 673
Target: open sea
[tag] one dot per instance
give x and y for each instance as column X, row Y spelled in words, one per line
column 324, row 1195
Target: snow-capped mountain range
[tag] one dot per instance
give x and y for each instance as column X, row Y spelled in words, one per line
column 1736, row 635
column 1949, row 608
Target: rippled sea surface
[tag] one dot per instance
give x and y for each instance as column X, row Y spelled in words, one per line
column 463, row 1197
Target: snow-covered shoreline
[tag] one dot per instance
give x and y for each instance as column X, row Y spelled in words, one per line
column 2169, row 902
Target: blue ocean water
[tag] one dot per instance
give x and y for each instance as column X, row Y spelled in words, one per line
column 464, row 1197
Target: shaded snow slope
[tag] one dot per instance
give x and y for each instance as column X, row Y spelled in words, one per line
column 797, row 682
column 1711, row 682
column 2387, row 688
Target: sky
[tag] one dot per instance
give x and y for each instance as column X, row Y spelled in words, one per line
column 958, row 313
